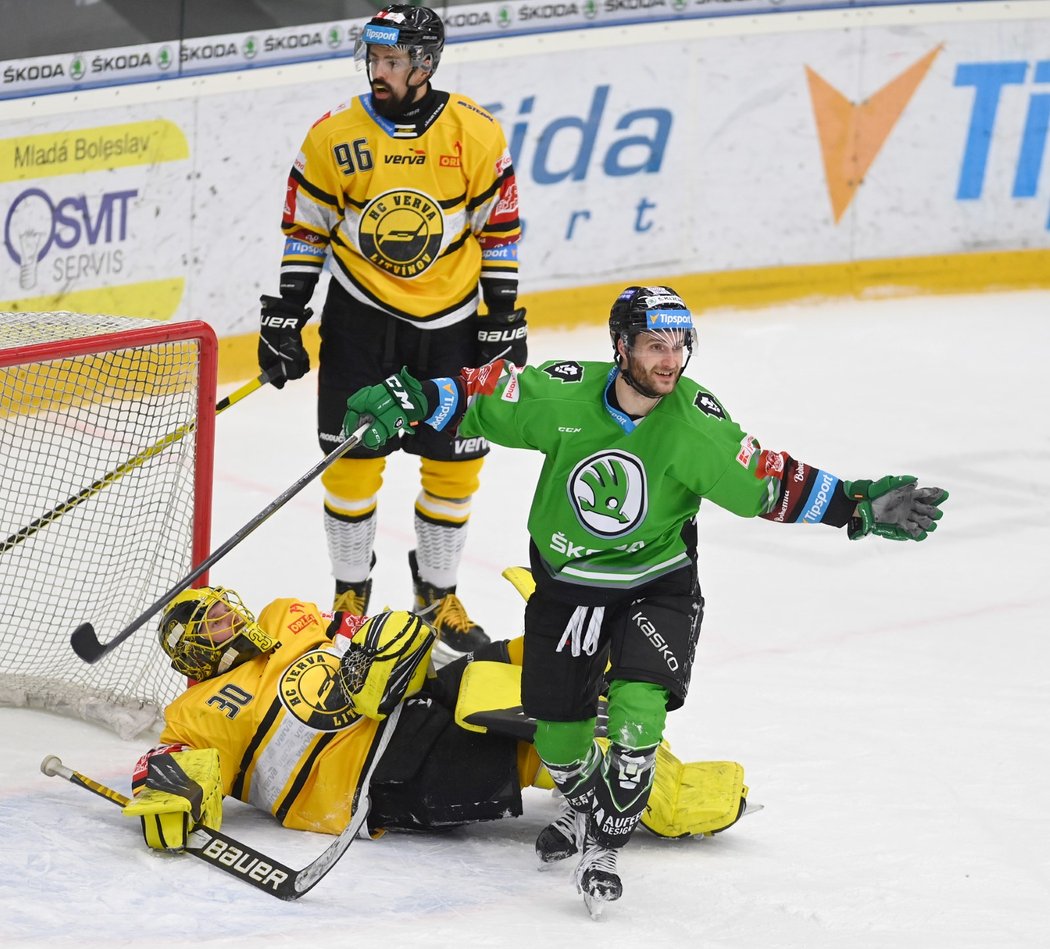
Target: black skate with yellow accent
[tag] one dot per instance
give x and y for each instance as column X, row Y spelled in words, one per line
column 458, row 634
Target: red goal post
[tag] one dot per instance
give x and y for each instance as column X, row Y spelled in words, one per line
column 106, row 458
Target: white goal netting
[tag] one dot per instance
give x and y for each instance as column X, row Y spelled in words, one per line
column 102, row 499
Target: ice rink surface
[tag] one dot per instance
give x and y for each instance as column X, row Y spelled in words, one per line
column 889, row 702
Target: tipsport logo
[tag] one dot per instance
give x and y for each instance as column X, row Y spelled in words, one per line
column 37, row 225
column 993, row 84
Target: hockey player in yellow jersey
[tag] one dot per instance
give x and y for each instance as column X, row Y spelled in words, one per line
column 409, row 193
column 292, row 711
column 297, row 703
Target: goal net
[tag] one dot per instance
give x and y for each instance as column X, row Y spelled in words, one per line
column 106, row 435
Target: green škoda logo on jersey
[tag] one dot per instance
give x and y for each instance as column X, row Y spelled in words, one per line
column 608, row 493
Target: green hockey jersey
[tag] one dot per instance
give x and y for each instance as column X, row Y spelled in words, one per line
column 613, row 495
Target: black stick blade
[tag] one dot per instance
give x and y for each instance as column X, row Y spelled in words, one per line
column 85, row 643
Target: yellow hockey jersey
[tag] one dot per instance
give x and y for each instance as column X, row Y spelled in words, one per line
column 413, row 214
column 288, row 742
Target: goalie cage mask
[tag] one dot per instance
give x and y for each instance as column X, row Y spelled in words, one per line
column 416, row 29
column 208, row 631
column 386, row 661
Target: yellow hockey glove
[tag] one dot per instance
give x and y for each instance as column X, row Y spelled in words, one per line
column 183, row 792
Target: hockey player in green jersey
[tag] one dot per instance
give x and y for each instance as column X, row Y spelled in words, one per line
column 630, row 450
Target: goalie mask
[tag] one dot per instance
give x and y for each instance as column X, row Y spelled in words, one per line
column 655, row 310
column 208, row 631
column 386, row 661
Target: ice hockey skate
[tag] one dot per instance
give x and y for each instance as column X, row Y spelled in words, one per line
column 557, row 841
column 596, row 875
column 457, row 632
column 352, row 597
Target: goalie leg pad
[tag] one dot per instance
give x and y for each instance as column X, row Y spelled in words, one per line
column 183, row 791
column 489, row 700
column 699, row 798
column 459, row 777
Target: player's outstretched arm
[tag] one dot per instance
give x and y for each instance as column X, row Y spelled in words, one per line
column 394, row 405
column 894, row 507
column 400, row 401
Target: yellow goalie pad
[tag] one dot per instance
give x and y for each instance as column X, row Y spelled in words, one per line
column 701, row 797
column 687, row 799
column 490, row 700
column 522, row 581
column 178, row 800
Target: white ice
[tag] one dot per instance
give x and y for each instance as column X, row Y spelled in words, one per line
column 888, row 701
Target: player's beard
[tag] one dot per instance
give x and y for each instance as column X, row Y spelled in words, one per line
column 391, row 106
column 648, row 383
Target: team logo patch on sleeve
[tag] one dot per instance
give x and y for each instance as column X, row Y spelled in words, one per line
column 565, row 371
column 748, row 447
column 709, row 405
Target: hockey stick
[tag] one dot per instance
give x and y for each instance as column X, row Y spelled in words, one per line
column 134, row 462
column 238, row 859
column 85, row 641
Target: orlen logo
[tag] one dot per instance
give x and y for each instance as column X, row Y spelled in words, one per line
column 608, row 493
column 35, row 223
column 452, row 161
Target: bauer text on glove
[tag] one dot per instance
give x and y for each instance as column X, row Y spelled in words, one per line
column 281, row 340
column 502, row 334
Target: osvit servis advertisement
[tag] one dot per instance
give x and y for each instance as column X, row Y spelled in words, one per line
column 93, row 216
column 640, row 152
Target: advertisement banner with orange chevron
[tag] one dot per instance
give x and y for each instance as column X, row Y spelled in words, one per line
column 750, row 159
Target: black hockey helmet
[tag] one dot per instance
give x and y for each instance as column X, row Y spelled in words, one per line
column 657, row 310
column 416, row 29
column 648, row 310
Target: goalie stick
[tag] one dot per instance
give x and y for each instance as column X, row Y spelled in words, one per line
column 85, row 641
column 238, row 859
column 134, row 462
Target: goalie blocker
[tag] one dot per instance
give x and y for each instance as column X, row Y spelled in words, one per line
column 181, row 793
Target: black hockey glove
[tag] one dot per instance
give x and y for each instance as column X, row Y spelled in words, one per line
column 281, row 340
column 502, row 335
column 894, row 507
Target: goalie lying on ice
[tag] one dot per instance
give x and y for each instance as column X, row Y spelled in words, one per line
column 287, row 711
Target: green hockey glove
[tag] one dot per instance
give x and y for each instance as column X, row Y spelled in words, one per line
column 395, row 405
column 894, row 507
